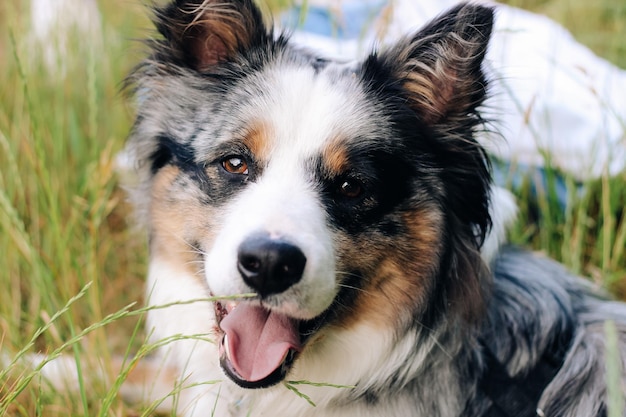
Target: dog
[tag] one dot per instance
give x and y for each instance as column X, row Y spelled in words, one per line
column 315, row 233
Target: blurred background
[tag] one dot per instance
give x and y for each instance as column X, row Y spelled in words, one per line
column 69, row 256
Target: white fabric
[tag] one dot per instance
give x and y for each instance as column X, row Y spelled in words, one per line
column 59, row 25
column 549, row 94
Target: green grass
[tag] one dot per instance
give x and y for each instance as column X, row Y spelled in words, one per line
column 70, row 265
column 62, row 217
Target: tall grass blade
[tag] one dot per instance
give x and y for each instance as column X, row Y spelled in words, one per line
column 613, row 371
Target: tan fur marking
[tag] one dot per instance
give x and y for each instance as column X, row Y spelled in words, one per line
column 432, row 88
column 438, row 87
column 259, row 141
column 402, row 277
column 218, row 32
column 335, row 157
column 176, row 221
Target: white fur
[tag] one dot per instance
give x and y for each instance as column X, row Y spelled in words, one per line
column 282, row 202
column 503, row 211
column 341, row 357
column 169, row 284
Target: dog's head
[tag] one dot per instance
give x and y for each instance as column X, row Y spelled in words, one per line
column 336, row 193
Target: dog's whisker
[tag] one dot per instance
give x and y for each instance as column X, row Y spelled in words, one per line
column 352, row 287
column 266, row 167
column 194, row 249
column 195, row 264
column 347, row 274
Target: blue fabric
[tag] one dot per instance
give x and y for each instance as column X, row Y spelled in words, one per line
column 350, row 20
column 513, row 177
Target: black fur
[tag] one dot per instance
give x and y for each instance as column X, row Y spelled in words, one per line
column 406, row 218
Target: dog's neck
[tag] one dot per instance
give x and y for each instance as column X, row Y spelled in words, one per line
column 365, row 371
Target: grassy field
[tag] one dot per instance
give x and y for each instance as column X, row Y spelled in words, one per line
column 65, row 242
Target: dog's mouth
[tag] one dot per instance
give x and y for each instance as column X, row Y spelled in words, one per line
column 258, row 346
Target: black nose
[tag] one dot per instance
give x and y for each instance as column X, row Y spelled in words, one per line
column 270, row 266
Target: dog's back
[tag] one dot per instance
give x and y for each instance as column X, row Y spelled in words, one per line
column 333, row 216
column 318, row 228
column 546, row 329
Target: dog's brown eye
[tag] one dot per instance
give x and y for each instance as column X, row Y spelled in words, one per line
column 235, row 165
column 350, row 188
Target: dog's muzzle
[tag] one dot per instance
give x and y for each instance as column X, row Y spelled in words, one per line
column 259, row 345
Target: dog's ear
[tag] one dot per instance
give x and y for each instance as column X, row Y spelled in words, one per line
column 202, row 33
column 440, row 67
column 436, row 76
column 435, row 82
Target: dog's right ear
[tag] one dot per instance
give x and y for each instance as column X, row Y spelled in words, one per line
column 200, row 34
column 439, row 68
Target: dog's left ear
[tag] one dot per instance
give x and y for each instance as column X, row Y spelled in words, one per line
column 200, row 34
column 435, row 79
column 437, row 74
column 440, row 67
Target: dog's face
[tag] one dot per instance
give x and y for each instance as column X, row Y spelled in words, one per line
column 333, row 193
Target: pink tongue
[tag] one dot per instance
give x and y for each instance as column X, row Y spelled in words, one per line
column 258, row 340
